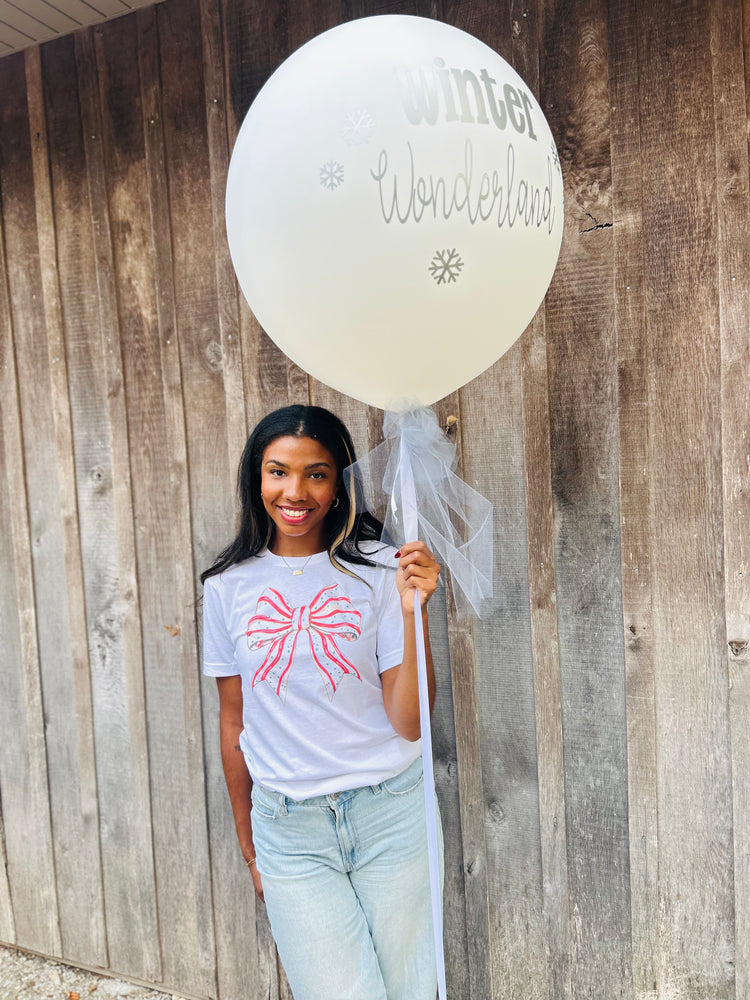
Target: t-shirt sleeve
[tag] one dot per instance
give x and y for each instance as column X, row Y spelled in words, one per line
column 218, row 648
column 390, row 643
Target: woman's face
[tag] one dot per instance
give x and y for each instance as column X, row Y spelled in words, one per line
column 298, row 484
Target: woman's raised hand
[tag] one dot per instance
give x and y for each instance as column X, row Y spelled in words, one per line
column 417, row 569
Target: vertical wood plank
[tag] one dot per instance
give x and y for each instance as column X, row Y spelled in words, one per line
column 164, row 60
column 545, row 652
column 633, row 374
column 26, row 791
column 493, row 464
column 447, row 646
column 27, row 828
column 7, row 923
column 108, row 541
column 730, row 121
column 305, row 20
column 256, row 41
column 583, row 406
column 241, row 971
column 126, row 62
column 681, row 268
column 75, row 809
column 212, row 36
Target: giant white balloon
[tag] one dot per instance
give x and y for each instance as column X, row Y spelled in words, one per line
column 394, row 208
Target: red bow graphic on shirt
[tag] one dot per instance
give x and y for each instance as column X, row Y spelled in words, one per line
column 328, row 617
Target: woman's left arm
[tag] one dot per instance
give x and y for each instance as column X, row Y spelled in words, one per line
column 418, row 571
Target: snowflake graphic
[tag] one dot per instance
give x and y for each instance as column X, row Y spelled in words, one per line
column 445, row 266
column 332, row 174
column 358, row 127
column 555, row 157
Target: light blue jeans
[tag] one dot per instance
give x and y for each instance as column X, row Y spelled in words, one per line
column 346, row 885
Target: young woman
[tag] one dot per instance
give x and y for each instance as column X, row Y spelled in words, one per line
column 309, row 630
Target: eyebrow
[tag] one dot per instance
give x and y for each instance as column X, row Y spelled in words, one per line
column 283, row 465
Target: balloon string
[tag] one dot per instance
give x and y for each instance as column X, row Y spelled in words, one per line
column 408, row 494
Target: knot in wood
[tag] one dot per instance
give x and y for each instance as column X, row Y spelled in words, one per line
column 496, row 811
column 214, row 356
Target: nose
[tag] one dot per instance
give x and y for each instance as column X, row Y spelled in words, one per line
column 294, row 488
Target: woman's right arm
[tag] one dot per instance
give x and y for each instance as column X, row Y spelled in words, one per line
column 236, row 774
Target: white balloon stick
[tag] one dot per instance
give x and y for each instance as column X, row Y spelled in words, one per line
column 411, row 528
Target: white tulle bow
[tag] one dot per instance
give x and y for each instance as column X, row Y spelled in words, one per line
column 410, row 481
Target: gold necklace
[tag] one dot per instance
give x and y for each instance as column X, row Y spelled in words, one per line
column 297, row 572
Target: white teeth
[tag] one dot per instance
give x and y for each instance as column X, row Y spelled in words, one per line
column 293, row 512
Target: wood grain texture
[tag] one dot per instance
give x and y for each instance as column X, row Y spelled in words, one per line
column 445, row 730
column 46, row 654
column 108, row 542
column 74, row 797
column 583, row 394
column 728, row 58
column 546, row 658
column 540, row 525
column 590, row 736
column 255, row 45
column 474, row 977
column 633, row 361
column 7, row 923
column 180, row 284
column 693, row 738
column 493, row 463
column 24, row 782
column 227, row 293
column 162, row 528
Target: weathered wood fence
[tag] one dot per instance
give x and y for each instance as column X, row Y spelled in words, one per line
column 592, row 736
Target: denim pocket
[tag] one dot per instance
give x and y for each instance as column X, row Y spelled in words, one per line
column 265, row 804
column 405, row 782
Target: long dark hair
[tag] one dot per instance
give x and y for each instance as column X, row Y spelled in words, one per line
column 347, row 524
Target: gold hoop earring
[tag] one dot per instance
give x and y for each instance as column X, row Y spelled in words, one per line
column 335, row 503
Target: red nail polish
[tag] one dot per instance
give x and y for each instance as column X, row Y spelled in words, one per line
column 398, row 554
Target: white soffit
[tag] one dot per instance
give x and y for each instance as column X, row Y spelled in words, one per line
column 29, row 22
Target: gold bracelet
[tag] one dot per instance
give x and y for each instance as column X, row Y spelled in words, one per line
column 250, row 862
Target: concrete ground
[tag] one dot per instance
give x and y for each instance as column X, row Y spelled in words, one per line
column 30, row 977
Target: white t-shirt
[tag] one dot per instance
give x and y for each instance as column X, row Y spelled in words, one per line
column 310, row 649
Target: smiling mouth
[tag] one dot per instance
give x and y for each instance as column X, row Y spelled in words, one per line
column 295, row 514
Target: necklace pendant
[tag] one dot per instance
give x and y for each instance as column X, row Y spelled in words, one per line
column 301, row 570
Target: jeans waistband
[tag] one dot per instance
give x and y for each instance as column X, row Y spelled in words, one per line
column 281, row 801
